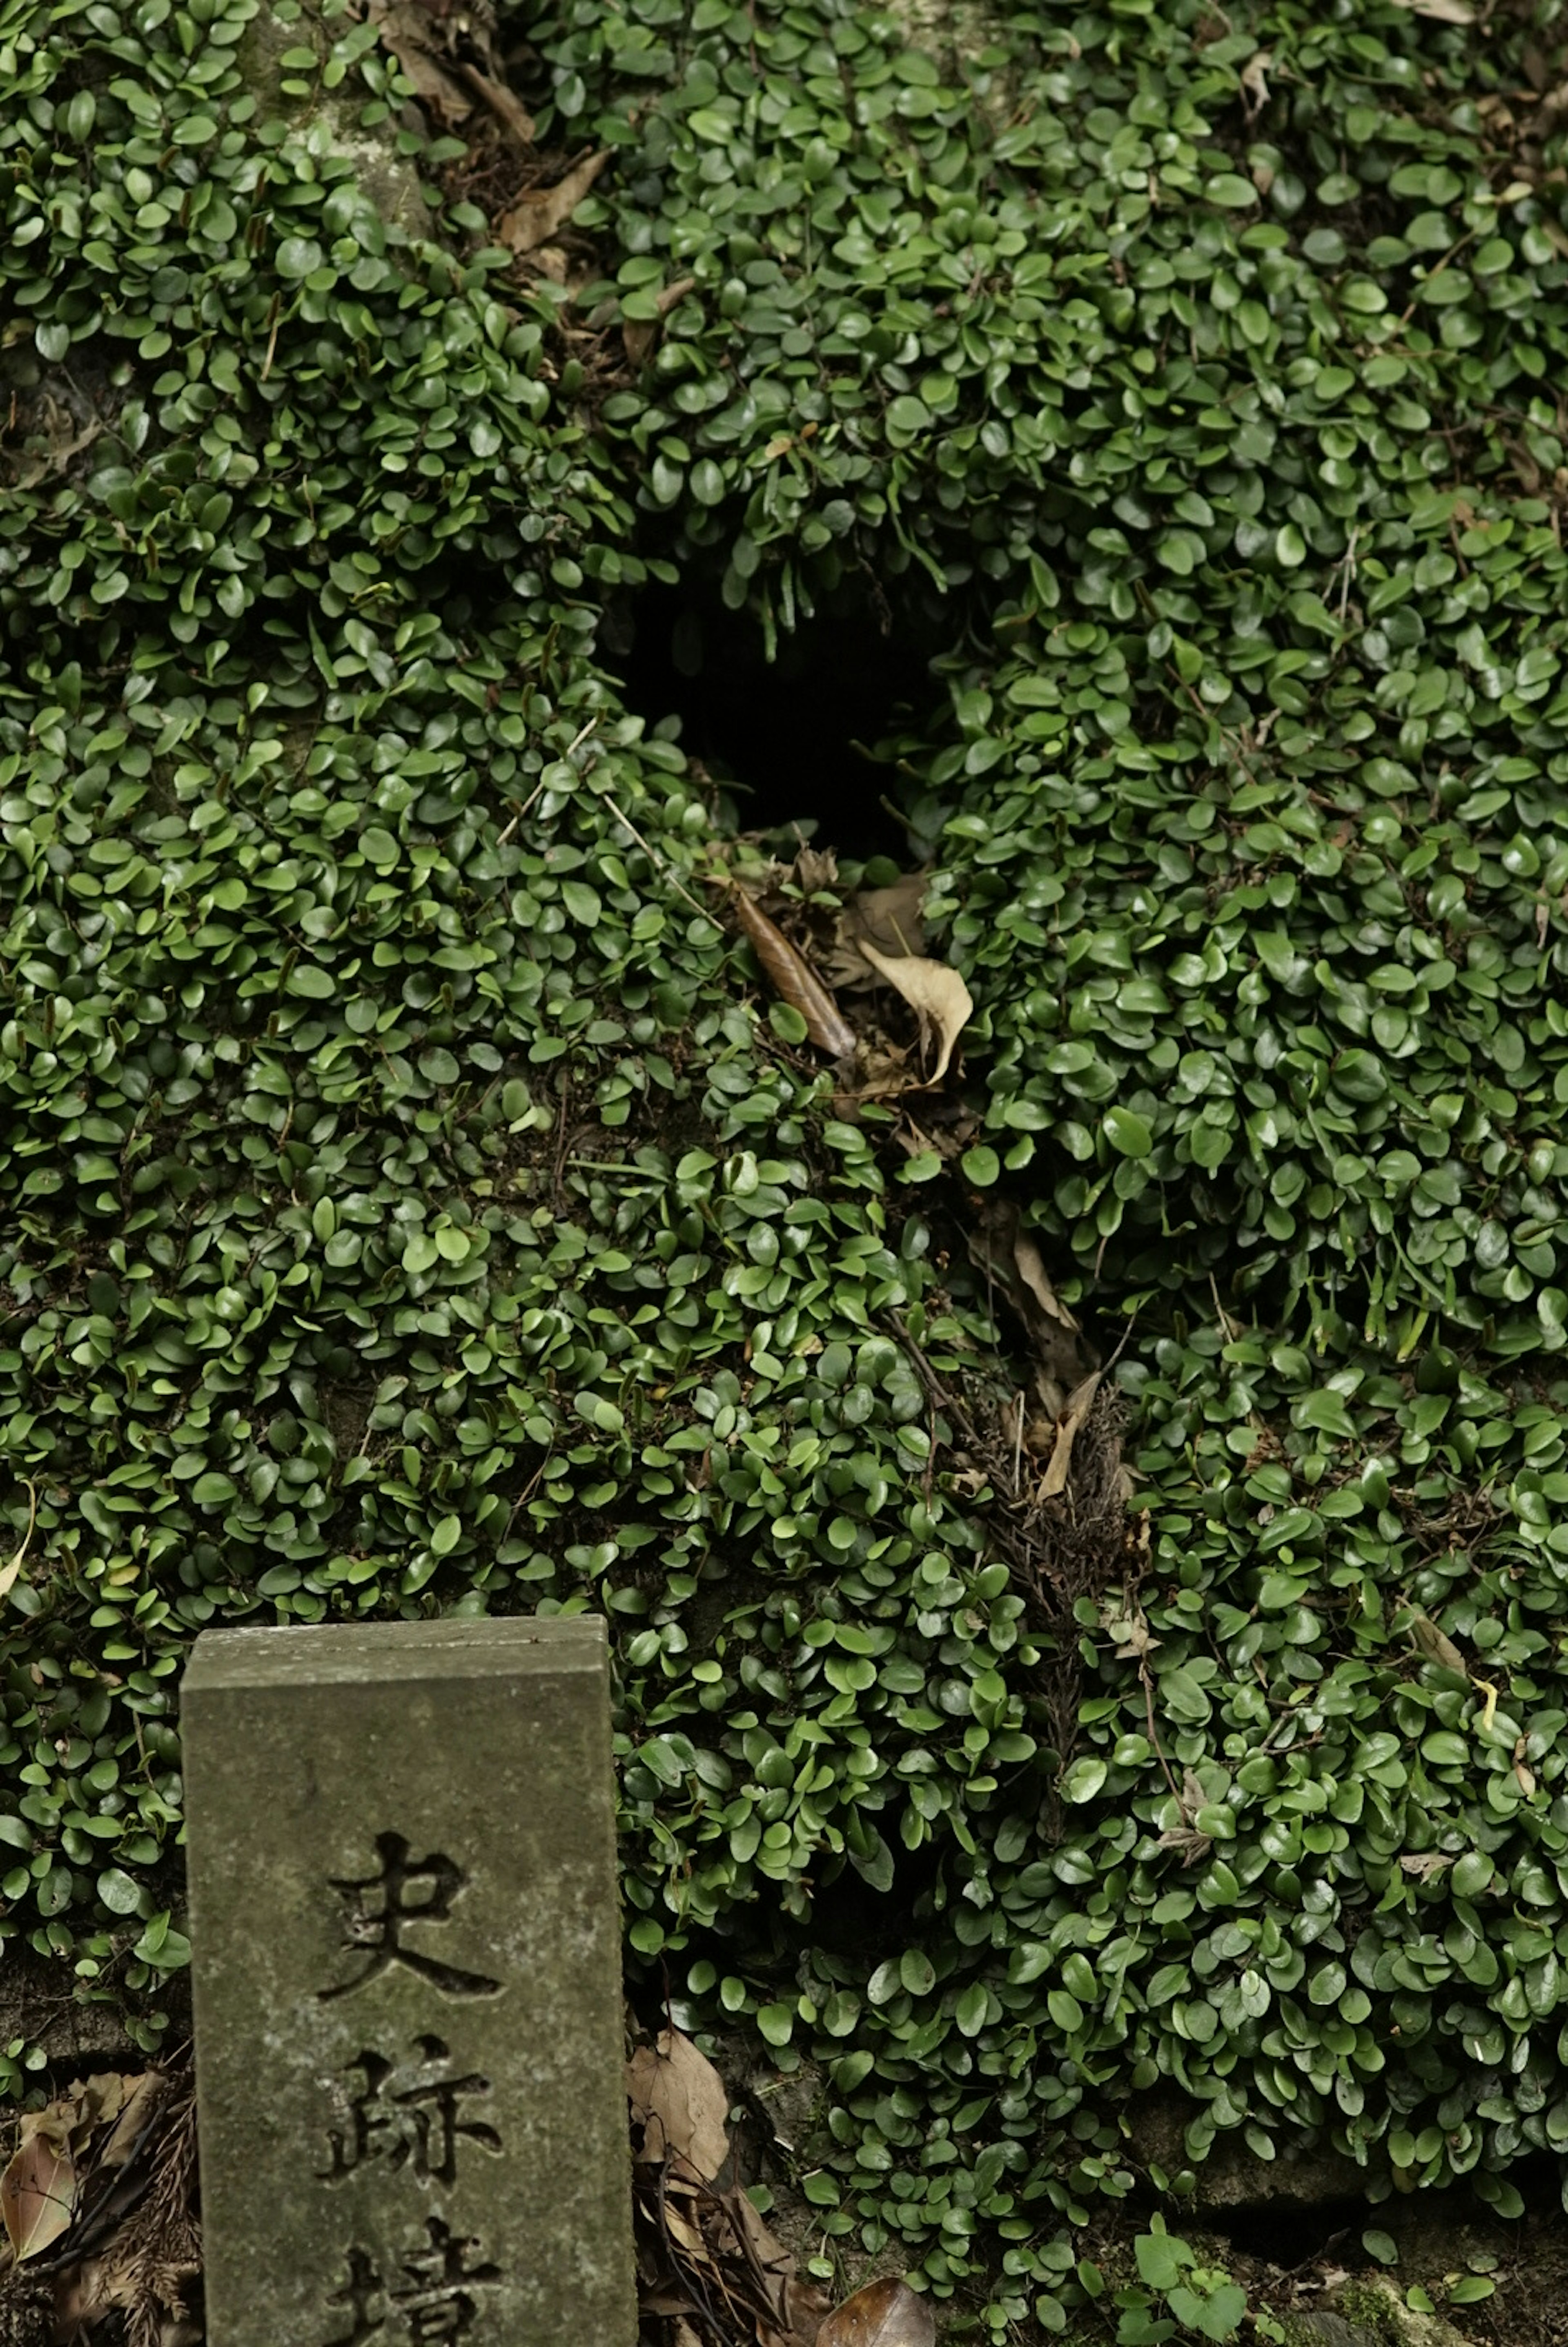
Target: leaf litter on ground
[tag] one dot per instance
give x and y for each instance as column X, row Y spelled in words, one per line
column 81, row 2139
column 794, row 980
column 711, row 2271
column 1010, row 1260
column 538, row 216
column 934, row 993
column 99, row 2194
column 886, row 2314
column 890, row 918
column 1080, row 1401
column 678, row 2100
column 410, row 33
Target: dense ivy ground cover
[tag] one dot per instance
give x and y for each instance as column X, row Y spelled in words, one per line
column 411, row 1204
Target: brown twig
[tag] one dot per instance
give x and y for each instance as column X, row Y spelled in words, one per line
column 1147, row 1677
column 563, row 1137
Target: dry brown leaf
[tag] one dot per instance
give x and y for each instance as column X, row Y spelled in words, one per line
column 1436, row 1646
column 804, row 2305
column 765, row 2252
column 72, row 2173
column 1446, row 12
column 794, row 980
column 1080, row 1401
column 815, row 868
column 916, row 1141
column 63, row 444
column 1255, row 81
column 405, row 29
column 685, row 2336
column 881, row 1072
column 1130, row 1627
column 796, row 2307
column 12, row 1564
column 536, row 217
column 685, row 2232
column 127, row 2101
column 1423, row 1863
column 1032, row 1271
column 680, row 2100
column 1195, row 1847
column 934, row 991
column 39, row 2188
column 884, row 2314
column 504, row 104
column 889, row 919
column 660, row 2300
column 995, row 1240
column 136, row 2247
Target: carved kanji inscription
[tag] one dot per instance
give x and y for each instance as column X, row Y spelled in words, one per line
column 381, row 1906
column 407, row 1972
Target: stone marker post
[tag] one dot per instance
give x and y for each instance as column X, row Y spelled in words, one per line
column 407, row 1980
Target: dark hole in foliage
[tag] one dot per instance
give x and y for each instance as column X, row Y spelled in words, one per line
column 1290, row 2233
column 792, row 740
column 1293, row 2234
column 850, row 1919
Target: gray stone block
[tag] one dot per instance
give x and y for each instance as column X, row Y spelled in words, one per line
column 407, row 1986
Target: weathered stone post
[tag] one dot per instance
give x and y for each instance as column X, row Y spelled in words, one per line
column 407, row 1984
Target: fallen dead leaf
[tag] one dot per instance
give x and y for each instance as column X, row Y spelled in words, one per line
column 1031, row 1268
column 129, row 2102
column 1436, row 1646
column 884, row 2314
column 134, row 2245
column 69, row 2167
column 536, row 217
column 405, row 29
column 678, row 2099
column 1010, row 1258
column 882, row 1071
column 889, row 919
column 504, row 104
column 62, row 442
column 1079, row 1403
column 1128, row 1625
column 1423, row 1863
column 916, row 1141
column 794, row 980
column 1195, row 1847
column 683, row 2230
column 796, row 2307
column 934, row 991
column 1254, row 82
column 12, row 1564
column 39, row 2188
column 815, row 868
